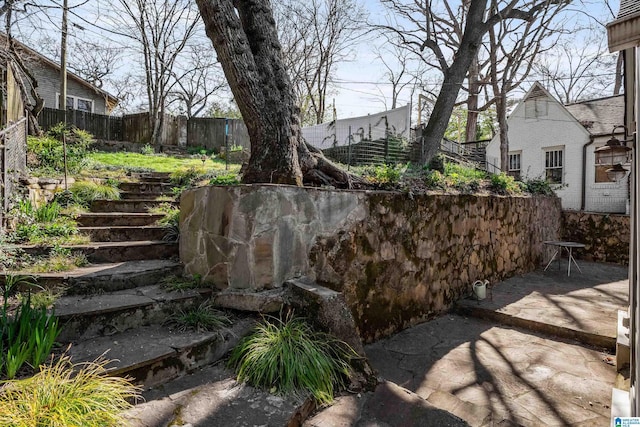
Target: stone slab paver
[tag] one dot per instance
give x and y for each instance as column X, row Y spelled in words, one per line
column 210, row 397
column 586, row 302
column 521, row 377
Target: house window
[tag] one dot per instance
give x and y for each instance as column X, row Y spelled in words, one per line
column 534, row 108
column 76, row 103
column 84, row 105
column 554, row 165
column 514, row 164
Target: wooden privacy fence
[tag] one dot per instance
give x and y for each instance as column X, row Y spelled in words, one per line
column 99, row 125
column 208, row 133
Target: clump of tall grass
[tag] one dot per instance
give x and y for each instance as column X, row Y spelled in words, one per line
column 289, row 357
column 66, row 395
column 84, row 192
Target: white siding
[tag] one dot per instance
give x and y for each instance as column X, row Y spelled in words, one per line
column 608, row 197
column 531, row 136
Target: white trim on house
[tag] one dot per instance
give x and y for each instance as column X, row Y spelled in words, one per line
column 75, row 102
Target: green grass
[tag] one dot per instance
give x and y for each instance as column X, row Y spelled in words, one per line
column 159, row 162
column 289, row 357
column 67, row 395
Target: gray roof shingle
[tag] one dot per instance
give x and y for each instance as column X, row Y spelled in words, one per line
column 628, row 8
column 599, row 116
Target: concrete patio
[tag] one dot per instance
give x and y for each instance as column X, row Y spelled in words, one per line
column 545, row 371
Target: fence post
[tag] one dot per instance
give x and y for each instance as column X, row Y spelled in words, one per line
column 226, row 144
column 349, row 150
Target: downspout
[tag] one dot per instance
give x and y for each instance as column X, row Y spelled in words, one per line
column 584, row 171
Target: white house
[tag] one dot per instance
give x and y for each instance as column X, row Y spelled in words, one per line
column 557, row 142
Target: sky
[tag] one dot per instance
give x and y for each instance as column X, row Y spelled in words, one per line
column 359, row 86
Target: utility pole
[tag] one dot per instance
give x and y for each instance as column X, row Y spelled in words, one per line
column 63, row 87
column 63, row 59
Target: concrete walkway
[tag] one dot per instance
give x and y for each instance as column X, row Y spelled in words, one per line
column 455, row 370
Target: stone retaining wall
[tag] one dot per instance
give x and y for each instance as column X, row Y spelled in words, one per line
column 397, row 259
column 606, row 236
column 42, row 190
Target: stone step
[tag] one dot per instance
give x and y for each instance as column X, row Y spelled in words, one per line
column 469, row 307
column 83, row 317
column 101, row 252
column 108, row 277
column 101, row 219
column 155, row 354
column 131, row 195
column 124, row 233
column 146, row 187
column 474, row 415
column 129, row 206
column 152, row 176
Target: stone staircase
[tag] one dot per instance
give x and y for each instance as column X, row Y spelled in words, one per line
column 117, row 306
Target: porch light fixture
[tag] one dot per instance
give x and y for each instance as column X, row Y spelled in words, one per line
column 614, row 154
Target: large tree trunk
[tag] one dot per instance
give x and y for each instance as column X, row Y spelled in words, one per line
column 246, row 41
column 501, row 112
column 453, row 77
column 472, row 101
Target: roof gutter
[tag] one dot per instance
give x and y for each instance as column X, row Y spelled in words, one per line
column 584, row 171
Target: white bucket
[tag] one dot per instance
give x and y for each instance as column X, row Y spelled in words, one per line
column 480, row 289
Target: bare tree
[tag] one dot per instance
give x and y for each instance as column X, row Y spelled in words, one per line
column 402, row 72
column 576, row 70
column 454, row 33
column 197, row 80
column 513, row 48
column 244, row 34
column 162, row 30
column 316, row 35
column 91, row 60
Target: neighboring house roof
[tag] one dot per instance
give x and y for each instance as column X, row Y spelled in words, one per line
column 599, row 116
column 110, row 100
column 624, row 32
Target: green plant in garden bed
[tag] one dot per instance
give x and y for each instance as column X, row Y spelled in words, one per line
column 539, row 186
column 28, row 334
column 463, row 178
column 43, row 225
column 288, row 356
column 46, row 153
column 506, row 184
column 200, row 318
column 225, row 179
column 384, row 174
column 66, row 395
column 59, row 259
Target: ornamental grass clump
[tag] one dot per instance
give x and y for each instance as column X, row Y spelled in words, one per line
column 289, row 357
column 66, row 395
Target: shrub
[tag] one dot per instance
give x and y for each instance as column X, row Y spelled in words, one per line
column 505, row 184
column 47, row 152
column 434, row 179
column 186, row 177
column 291, row 358
column 385, row 175
column 66, row 395
column 225, row 179
column 539, row 186
column 147, row 150
column 463, row 178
